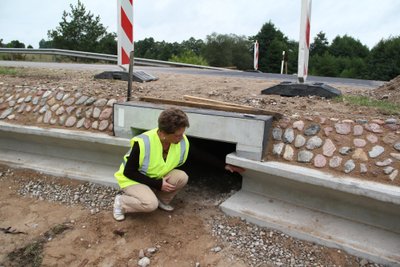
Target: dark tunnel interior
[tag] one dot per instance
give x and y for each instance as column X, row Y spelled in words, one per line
column 206, row 166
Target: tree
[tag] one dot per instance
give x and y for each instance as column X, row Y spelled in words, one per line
column 218, row 50
column 347, row 46
column 384, row 60
column 1, row 43
column 320, row 45
column 196, row 46
column 292, row 55
column 324, row 65
column 145, row 48
column 108, row 44
column 228, row 50
column 242, row 53
column 80, row 30
column 15, row 44
column 45, row 44
column 272, row 42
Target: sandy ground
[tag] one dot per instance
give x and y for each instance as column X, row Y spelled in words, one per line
column 61, row 234
column 72, row 236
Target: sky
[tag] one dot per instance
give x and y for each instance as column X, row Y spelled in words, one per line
column 369, row 21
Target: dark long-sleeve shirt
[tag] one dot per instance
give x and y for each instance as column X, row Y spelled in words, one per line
column 132, row 172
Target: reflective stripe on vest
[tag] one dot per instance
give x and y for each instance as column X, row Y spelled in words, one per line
column 183, row 149
column 146, row 161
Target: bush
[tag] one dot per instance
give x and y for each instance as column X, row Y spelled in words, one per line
column 189, row 57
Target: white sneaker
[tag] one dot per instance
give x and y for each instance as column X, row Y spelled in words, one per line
column 118, row 213
column 164, row 206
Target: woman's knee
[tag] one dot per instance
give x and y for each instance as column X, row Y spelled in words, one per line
column 179, row 177
column 150, row 204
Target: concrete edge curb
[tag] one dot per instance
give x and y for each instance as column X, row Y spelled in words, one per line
column 66, row 134
column 374, row 190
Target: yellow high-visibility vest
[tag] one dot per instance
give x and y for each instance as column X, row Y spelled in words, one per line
column 151, row 161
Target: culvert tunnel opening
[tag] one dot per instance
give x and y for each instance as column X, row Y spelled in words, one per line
column 206, row 166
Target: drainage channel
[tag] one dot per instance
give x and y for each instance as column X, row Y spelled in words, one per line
column 362, row 218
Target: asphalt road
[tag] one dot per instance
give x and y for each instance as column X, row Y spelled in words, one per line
column 228, row 73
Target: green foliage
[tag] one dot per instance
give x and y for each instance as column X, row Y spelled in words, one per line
column 196, row 46
column 80, row 30
column 384, row 60
column 218, row 50
column 223, row 50
column 292, row 55
column 45, row 44
column 108, row 44
column 272, row 42
column 325, row 65
column 148, row 48
column 387, row 107
column 345, row 57
column 8, row 71
column 320, row 45
column 347, row 46
column 15, row 44
column 348, row 58
column 1, row 43
column 189, row 57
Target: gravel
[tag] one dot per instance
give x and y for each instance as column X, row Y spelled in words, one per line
column 257, row 246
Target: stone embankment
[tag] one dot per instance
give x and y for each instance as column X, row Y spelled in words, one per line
column 349, row 147
column 25, row 105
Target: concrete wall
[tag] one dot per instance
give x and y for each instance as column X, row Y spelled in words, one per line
column 249, row 132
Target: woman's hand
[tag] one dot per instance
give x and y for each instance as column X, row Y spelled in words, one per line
column 233, row 168
column 167, row 187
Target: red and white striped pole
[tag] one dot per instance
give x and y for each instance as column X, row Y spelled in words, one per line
column 304, row 42
column 256, row 49
column 125, row 31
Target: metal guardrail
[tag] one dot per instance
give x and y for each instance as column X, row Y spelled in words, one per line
column 99, row 56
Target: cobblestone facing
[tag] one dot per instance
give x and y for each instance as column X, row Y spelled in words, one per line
column 57, row 108
column 362, row 147
column 349, row 147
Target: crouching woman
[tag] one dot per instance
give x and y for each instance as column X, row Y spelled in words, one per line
column 148, row 176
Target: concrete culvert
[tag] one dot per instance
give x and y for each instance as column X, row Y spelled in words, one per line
column 206, row 166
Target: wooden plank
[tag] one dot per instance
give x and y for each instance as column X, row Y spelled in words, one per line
column 212, row 101
column 212, row 106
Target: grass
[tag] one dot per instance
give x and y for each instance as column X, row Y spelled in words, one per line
column 8, row 71
column 384, row 106
column 32, row 254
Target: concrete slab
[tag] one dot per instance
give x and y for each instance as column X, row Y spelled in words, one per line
column 358, row 239
column 358, row 216
column 370, row 189
column 74, row 154
column 248, row 132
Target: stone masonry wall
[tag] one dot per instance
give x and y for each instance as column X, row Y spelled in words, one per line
column 56, row 108
column 361, row 148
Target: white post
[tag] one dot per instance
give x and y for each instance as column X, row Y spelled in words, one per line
column 304, row 42
column 125, row 32
column 256, row 48
column 283, row 61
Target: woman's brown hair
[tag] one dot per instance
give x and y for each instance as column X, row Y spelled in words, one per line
column 172, row 119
